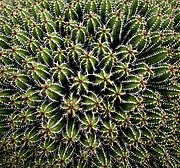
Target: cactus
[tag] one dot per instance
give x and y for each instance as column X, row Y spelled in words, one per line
column 89, row 83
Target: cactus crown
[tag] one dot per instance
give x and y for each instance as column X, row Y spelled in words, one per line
column 89, row 83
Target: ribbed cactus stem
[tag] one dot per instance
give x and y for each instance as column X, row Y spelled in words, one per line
column 89, row 83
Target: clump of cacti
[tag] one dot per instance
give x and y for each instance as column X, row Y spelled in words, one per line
column 89, row 83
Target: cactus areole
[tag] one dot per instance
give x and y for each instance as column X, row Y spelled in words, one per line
column 89, row 83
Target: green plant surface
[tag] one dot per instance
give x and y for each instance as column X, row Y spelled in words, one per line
column 89, row 83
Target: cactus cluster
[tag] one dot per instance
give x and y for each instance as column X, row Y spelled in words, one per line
column 89, row 83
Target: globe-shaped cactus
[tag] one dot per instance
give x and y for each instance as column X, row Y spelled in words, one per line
column 89, row 83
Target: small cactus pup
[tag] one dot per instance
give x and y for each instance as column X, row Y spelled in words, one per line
column 89, row 83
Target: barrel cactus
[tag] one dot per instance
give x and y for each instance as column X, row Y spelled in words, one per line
column 89, row 83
